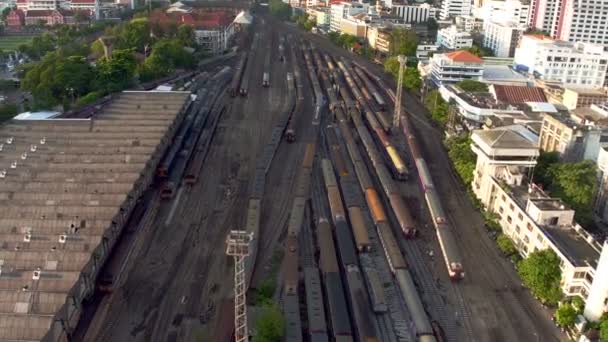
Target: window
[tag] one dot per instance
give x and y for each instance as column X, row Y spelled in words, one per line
column 553, row 221
column 526, row 239
column 539, row 237
column 510, row 220
column 500, row 210
column 520, row 216
column 517, row 229
column 503, row 197
column 529, row 226
column 579, row 275
column 604, row 138
column 589, row 278
column 575, row 289
column 511, row 207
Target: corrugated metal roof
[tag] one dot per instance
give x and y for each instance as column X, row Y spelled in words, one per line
column 516, row 94
column 62, row 183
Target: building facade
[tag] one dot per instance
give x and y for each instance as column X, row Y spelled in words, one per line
column 575, row 21
column 580, row 65
column 502, row 37
column 535, row 221
column 342, row 10
column 504, row 11
column 453, row 67
column 425, row 51
column 379, row 38
column 452, row 38
column 579, row 98
column 454, row 8
column 413, row 13
column 321, row 16
column 16, row 18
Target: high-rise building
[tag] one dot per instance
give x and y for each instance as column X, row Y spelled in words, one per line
column 413, row 13
column 453, row 67
column 454, row 8
column 342, row 10
column 581, row 65
column 583, row 21
column 502, row 37
column 503, row 11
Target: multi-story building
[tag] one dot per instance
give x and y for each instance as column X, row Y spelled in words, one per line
column 452, row 38
column 413, row 13
column 576, row 136
column 454, row 8
column 535, row 221
column 15, row 18
column 580, row 21
column 28, row 5
column 576, row 98
column 379, row 38
column 354, row 25
column 321, row 15
column 503, row 11
column 502, row 37
column 342, row 10
column 425, row 51
column 453, row 67
column 581, row 65
column 466, row 23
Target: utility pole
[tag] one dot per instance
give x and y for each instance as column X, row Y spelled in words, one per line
column 397, row 115
column 238, row 247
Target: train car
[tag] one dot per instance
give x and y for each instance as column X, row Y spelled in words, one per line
column 328, row 262
column 291, row 276
column 363, row 326
column 266, row 80
column 376, row 291
column 375, row 206
column 317, row 324
column 424, row 331
column 328, row 173
column 359, row 229
column 297, row 216
column 335, row 204
column 372, row 89
column 309, row 155
column 403, row 215
column 336, row 302
column 447, row 241
column 344, row 241
column 293, row 321
column 164, row 168
column 238, row 73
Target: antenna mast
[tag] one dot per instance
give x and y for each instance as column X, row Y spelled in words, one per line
column 238, row 247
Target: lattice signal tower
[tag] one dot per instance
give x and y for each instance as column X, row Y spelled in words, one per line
column 237, row 246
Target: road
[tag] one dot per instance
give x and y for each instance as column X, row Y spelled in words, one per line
column 179, row 271
column 490, row 304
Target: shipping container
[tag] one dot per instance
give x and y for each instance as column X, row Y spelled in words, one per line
column 328, row 261
column 359, row 229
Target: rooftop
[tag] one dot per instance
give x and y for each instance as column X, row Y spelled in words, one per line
column 505, row 138
column 517, row 94
column 582, row 91
column 62, row 183
column 463, row 56
column 502, row 73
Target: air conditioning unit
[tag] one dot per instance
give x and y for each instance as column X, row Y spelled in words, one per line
column 33, row 148
column 36, row 275
column 24, row 155
column 9, row 140
column 63, row 238
column 27, row 237
column 42, row 141
column 14, row 164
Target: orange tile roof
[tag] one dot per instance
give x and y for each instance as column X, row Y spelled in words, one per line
column 464, row 57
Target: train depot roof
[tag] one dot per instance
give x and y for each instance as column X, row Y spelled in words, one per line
column 62, row 181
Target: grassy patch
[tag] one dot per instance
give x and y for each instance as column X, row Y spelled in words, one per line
column 10, row 43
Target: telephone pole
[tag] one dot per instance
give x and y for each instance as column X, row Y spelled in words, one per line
column 397, row 115
column 238, row 247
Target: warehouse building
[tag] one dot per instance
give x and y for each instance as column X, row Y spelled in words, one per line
column 68, row 187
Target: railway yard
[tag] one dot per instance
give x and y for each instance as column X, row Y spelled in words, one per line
column 291, row 140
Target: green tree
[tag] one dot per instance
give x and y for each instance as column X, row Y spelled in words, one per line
column 565, row 315
column 506, row 245
column 578, row 304
column 431, row 25
column 80, row 17
column 8, row 111
column 575, row 184
column 537, row 31
column 463, row 158
column 74, row 74
column 135, row 35
column 279, row 9
column 334, row 37
column 403, row 42
column 117, row 73
column 437, row 107
column 604, row 330
column 541, row 272
column 5, row 13
column 167, row 55
column 411, row 79
column 185, row 35
column 544, row 162
column 270, row 326
column 480, row 51
column 472, row 86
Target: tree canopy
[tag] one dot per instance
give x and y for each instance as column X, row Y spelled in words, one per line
column 167, row 55
column 472, row 86
column 437, row 107
column 344, row 40
column 480, row 51
column 459, row 151
column 541, row 273
column 565, row 316
column 411, row 76
column 506, row 245
column 604, row 330
column 279, row 9
column 117, row 73
column 575, row 184
column 270, row 326
column 403, row 42
column 544, row 162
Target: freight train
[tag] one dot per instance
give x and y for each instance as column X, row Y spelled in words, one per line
column 238, row 74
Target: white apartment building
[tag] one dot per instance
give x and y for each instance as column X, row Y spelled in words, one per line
column 452, row 38
column 413, row 13
column 342, row 10
column 580, row 21
column 453, row 67
column 465, row 23
column 321, row 16
column 502, row 37
column 424, row 50
column 30, row 5
column 581, row 65
column 535, row 221
column 503, row 11
column 454, row 8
